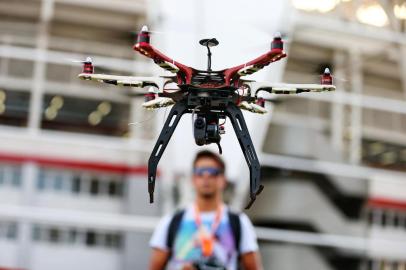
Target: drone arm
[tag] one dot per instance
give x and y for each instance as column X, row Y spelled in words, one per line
column 241, row 130
column 167, row 130
column 254, row 65
column 132, row 81
column 183, row 72
column 281, row 88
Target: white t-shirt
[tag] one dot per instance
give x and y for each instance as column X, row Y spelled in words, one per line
column 186, row 248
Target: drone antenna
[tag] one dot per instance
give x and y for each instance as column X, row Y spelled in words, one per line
column 208, row 59
column 209, row 42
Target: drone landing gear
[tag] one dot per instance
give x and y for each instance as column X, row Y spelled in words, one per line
column 169, row 127
column 220, row 149
column 241, row 130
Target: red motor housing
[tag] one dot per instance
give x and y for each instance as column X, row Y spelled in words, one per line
column 260, row 102
column 144, row 35
column 88, row 68
column 277, row 42
column 326, row 78
column 149, row 97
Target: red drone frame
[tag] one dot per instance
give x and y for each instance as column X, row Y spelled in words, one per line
column 210, row 96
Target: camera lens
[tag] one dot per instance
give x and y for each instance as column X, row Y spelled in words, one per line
column 199, row 123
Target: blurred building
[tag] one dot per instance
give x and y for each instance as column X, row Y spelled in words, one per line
column 73, row 171
column 68, row 154
column 334, row 164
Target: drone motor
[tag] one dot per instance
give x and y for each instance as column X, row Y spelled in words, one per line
column 149, row 97
column 277, row 42
column 326, row 78
column 260, row 102
column 144, row 35
column 88, row 67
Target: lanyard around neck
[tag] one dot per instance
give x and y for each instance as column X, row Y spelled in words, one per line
column 216, row 222
column 207, row 241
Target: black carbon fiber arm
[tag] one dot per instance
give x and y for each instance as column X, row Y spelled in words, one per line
column 167, row 130
column 244, row 138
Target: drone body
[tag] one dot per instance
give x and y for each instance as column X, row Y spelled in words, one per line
column 210, row 96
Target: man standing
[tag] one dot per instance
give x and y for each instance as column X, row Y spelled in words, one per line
column 206, row 233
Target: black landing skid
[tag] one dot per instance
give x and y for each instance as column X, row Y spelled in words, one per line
column 223, row 103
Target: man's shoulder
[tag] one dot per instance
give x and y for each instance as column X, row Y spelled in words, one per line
column 245, row 220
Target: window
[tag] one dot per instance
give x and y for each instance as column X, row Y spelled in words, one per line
column 94, row 187
column 11, row 231
column 109, row 240
column 20, row 68
column 81, row 183
column 1, row 176
column 58, row 181
column 54, row 235
column 115, row 188
column 15, row 177
column 8, row 230
column 59, row 73
column 14, row 107
column 120, row 189
column 41, row 180
column 384, row 220
column 85, row 116
column 396, row 220
column 76, row 183
column 113, row 240
column 45, row 179
column 36, row 233
column 91, row 238
column 370, row 216
column 112, row 188
column 387, row 218
column 384, row 155
column 10, row 176
column 72, row 236
column 75, row 236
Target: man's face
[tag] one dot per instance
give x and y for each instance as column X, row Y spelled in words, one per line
column 208, row 179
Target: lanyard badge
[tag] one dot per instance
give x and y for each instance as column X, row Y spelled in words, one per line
column 207, row 245
column 206, row 239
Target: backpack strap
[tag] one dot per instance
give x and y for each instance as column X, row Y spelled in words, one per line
column 235, row 224
column 173, row 228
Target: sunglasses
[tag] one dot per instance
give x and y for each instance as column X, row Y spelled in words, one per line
column 211, row 171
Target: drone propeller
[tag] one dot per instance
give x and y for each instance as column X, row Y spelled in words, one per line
column 326, row 78
column 87, row 60
column 317, row 67
column 327, row 73
column 272, row 100
column 264, row 45
column 135, row 95
column 148, row 95
column 146, row 30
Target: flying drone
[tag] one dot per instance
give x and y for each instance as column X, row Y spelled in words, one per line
column 210, row 96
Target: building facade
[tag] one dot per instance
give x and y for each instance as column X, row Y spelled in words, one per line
column 73, row 155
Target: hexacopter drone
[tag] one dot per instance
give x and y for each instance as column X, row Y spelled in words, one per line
column 210, row 96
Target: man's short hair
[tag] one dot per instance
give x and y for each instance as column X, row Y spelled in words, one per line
column 211, row 155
